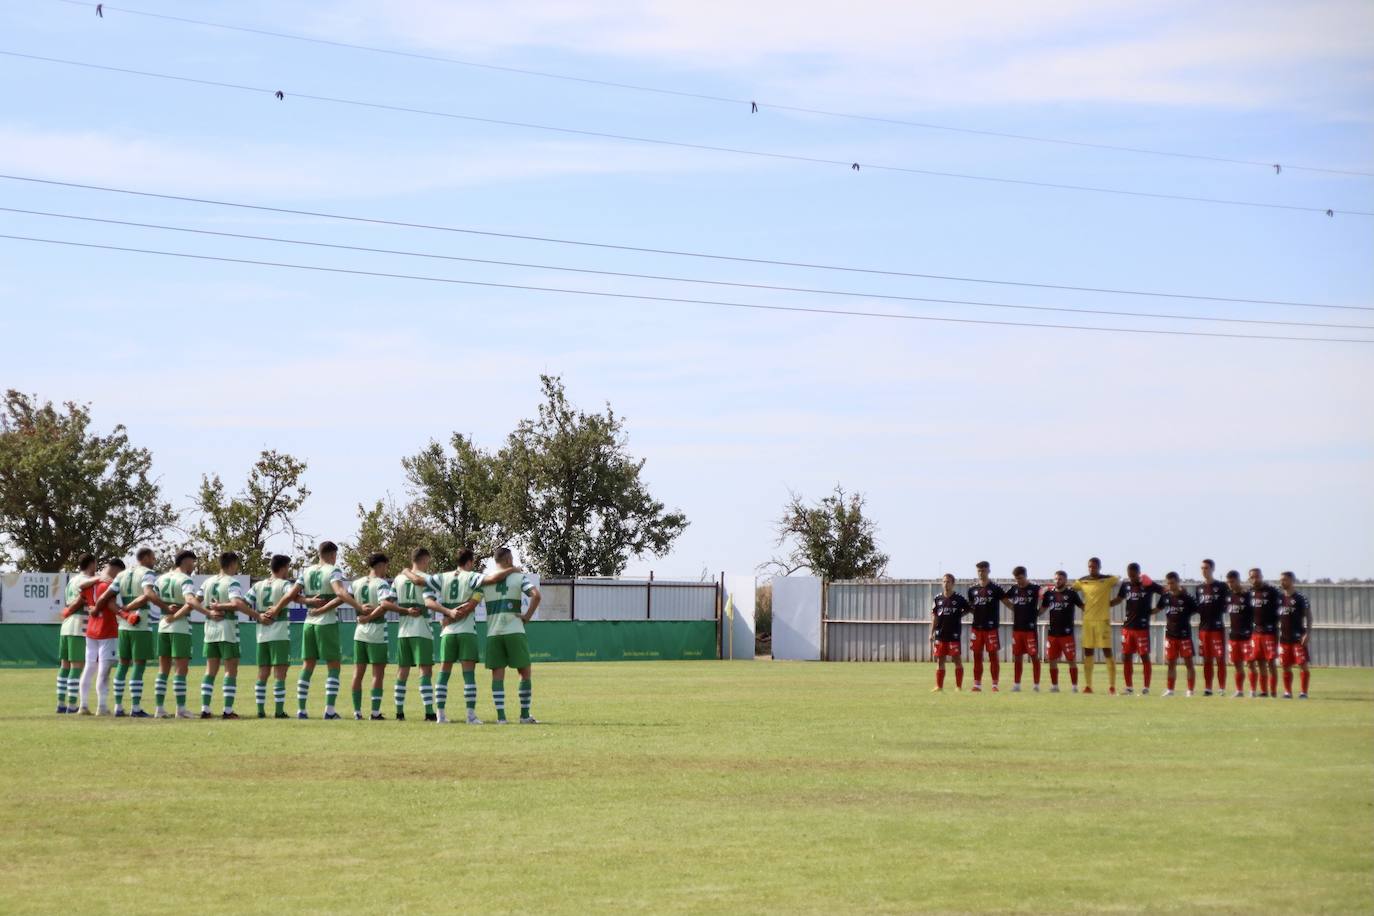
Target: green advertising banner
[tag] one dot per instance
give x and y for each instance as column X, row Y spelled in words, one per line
column 25, row 645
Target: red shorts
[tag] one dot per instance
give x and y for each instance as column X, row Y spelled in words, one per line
column 1242, row 650
column 1211, row 644
column 1024, row 643
column 1135, row 642
column 1060, row 646
column 946, row 649
column 1265, row 647
column 985, row 639
column 1292, row 653
column 1177, row 648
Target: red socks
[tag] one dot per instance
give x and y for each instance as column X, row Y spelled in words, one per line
column 1172, row 679
column 1073, row 674
column 1306, row 677
column 1036, row 667
column 1287, row 680
column 1019, row 665
column 1054, row 675
column 978, row 667
column 1130, row 671
column 1192, row 680
column 940, row 677
column 1145, row 666
column 1254, row 680
column 1207, row 673
column 959, row 677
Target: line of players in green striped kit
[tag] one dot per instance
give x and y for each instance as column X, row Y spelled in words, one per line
column 415, row 597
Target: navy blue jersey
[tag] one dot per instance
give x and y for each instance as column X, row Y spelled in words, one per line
column 1240, row 617
column 1025, row 606
column 1211, row 605
column 986, row 601
column 1293, row 611
column 1178, row 614
column 1060, row 602
column 1264, row 601
column 1140, row 599
column 947, row 613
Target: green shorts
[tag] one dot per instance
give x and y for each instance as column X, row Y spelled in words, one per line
column 415, row 650
column 369, row 653
column 222, row 649
column 276, row 652
column 320, row 642
column 174, row 645
column 509, row 651
column 136, row 645
column 459, row 647
column 71, row 649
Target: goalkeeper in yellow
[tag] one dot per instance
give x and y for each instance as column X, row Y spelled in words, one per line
column 1098, row 600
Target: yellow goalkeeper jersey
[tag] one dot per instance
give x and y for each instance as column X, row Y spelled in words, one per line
column 1097, row 597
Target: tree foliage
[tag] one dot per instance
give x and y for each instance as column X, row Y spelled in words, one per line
column 455, row 495
column 65, row 490
column 831, row 538
column 265, row 509
column 572, row 495
column 393, row 529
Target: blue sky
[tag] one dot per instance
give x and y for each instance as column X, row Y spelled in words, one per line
column 1011, row 444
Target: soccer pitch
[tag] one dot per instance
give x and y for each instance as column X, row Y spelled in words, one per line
column 702, row 786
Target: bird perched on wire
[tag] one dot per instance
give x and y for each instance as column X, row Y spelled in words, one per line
column 1330, row 212
column 753, row 107
column 100, row 10
column 1277, row 168
column 280, row 95
column 855, row 166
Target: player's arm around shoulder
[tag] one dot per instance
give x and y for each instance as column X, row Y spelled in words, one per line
column 535, row 597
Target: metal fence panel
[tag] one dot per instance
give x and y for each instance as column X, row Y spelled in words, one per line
column 627, row 599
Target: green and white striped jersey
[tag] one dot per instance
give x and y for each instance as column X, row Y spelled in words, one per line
column 75, row 625
column 372, row 590
column 317, row 582
column 264, row 594
column 221, row 589
column 408, row 594
column 130, row 584
column 503, row 602
column 173, row 586
column 457, row 588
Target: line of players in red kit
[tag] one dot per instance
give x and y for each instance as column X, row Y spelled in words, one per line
column 1268, row 626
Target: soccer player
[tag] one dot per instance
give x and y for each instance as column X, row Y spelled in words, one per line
column 102, row 632
column 270, row 598
column 174, row 632
column 132, row 598
column 71, row 636
column 223, row 598
column 457, row 595
column 414, row 635
column 325, row 589
column 1179, row 608
column 377, row 596
column 1211, row 632
column 1096, row 590
column 1295, row 626
column 1060, row 602
column 1025, row 612
column 1264, row 601
column 986, row 598
column 507, row 645
column 1240, row 619
column 946, row 623
column 1139, row 596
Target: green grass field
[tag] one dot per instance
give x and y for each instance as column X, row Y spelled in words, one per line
column 702, row 786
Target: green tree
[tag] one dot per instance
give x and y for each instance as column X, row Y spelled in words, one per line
column 832, row 539
column 393, row 529
column 265, row 509
column 572, row 495
column 65, row 490
column 455, row 497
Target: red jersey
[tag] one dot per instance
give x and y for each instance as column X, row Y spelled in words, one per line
column 100, row 625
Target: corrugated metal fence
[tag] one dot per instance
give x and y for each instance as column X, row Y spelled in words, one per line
column 628, row 599
column 888, row 620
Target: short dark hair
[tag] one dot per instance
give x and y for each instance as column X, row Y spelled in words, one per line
column 115, row 563
column 466, row 556
column 1233, row 574
column 1256, row 569
column 1093, row 560
column 418, row 554
column 328, row 547
column 1060, row 572
column 1132, row 567
column 227, row 559
column 983, row 564
column 1171, row 576
column 1289, row 573
column 502, row 554
column 183, row 556
column 280, row 561
column 1208, row 561
column 145, row 552
column 86, row 559
column 947, row 576
column 1019, row 571
column 376, row 559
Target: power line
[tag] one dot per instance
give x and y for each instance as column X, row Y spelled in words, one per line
column 640, row 297
column 673, row 279
column 682, row 144
column 287, row 211
column 707, row 97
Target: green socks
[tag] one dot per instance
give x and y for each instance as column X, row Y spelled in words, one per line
column 303, row 688
column 231, row 690
column 179, row 689
column 160, row 690
column 136, row 684
column 399, row 692
column 427, row 693
column 376, row 701
column 470, row 690
column 498, row 696
column 279, row 694
column 441, row 691
column 260, row 695
column 207, row 690
column 121, row 676
column 357, row 699
column 526, row 692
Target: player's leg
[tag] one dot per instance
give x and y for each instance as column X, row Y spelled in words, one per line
column 1127, row 664
column 441, row 689
column 958, row 671
column 231, row 681
column 310, row 652
column 378, row 673
column 355, row 688
column 1192, row 673
column 398, row 688
column 281, row 654
column 1054, row 673
column 977, row 647
column 90, row 663
column 1171, row 659
column 526, row 693
column 939, row 668
column 496, row 664
column 994, row 648
column 427, row 680
column 207, row 683
column 76, row 663
column 1089, row 661
column 469, row 666
column 124, row 653
column 63, row 666
column 1304, row 674
column 164, row 670
column 264, row 660
column 1035, row 663
column 142, row 649
column 181, row 660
